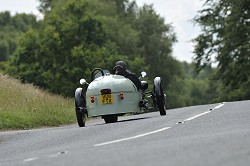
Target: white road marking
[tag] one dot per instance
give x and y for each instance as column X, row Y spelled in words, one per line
column 134, row 137
column 160, row 130
column 196, row 116
column 30, row 159
column 59, row 153
column 218, row 106
column 53, row 155
column 63, row 152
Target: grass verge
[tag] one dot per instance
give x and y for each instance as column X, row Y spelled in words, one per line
column 23, row 106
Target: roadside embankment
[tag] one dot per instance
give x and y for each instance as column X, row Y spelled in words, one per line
column 24, row 106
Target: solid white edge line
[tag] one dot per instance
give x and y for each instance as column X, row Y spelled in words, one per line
column 196, row 116
column 134, row 137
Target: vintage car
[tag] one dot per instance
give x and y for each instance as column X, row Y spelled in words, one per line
column 110, row 95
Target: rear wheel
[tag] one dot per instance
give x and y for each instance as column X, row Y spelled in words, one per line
column 80, row 104
column 159, row 95
column 110, row 118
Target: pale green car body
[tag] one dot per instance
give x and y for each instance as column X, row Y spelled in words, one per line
column 118, row 84
column 109, row 96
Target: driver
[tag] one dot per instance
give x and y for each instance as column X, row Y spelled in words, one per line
column 122, row 70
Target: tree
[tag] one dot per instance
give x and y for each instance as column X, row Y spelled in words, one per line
column 193, row 89
column 225, row 40
column 45, row 6
column 4, row 50
column 54, row 56
column 11, row 28
column 155, row 40
column 78, row 35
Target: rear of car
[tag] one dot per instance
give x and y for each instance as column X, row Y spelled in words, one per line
column 112, row 94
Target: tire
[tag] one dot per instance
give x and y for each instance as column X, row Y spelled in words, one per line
column 159, row 95
column 80, row 103
column 110, row 118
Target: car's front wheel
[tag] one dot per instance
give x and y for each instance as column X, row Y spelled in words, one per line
column 80, row 104
column 81, row 118
column 110, row 118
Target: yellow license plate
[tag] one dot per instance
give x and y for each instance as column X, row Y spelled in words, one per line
column 107, row 99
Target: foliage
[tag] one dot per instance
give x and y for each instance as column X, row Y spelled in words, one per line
column 196, row 89
column 225, row 39
column 45, row 6
column 53, row 56
column 76, row 36
column 11, row 28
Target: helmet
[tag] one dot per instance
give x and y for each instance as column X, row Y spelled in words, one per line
column 122, row 64
column 120, row 67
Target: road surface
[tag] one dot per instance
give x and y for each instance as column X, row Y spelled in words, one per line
column 216, row 134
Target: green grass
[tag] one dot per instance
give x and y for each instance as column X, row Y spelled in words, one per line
column 23, row 106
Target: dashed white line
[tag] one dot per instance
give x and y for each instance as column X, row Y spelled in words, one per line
column 204, row 113
column 30, row 159
column 196, row 116
column 53, row 156
column 218, row 106
column 134, row 137
column 160, row 130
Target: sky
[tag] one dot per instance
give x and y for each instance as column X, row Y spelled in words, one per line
column 179, row 13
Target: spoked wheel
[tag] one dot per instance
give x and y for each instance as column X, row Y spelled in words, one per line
column 159, row 95
column 80, row 104
column 110, row 118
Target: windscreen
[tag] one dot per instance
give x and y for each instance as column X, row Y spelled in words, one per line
column 99, row 74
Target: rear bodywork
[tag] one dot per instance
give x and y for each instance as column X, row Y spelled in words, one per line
column 119, row 85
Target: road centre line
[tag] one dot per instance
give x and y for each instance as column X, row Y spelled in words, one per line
column 30, row 159
column 156, row 131
column 196, row 116
column 204, row 113
column 220, row 105
column 134, row 137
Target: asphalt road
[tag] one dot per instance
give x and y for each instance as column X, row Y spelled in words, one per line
column 217, row 134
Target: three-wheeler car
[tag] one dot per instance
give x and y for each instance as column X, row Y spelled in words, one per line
column 110, row 95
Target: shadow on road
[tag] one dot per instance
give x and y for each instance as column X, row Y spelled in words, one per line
column 122, row 120
column 133, row 119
